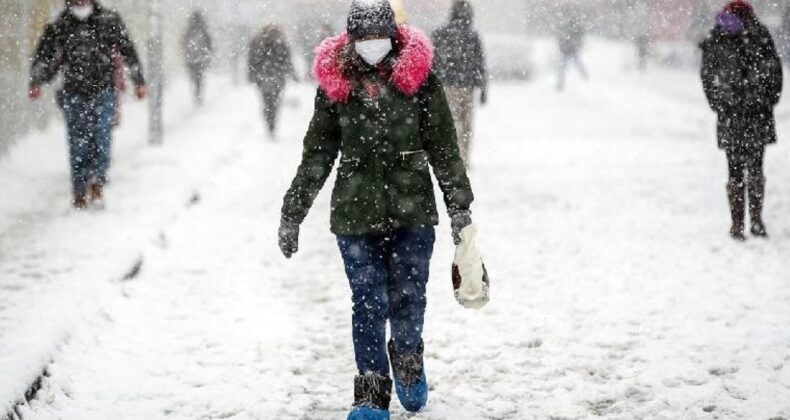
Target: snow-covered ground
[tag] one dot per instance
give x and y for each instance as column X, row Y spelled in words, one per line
column 617, row 292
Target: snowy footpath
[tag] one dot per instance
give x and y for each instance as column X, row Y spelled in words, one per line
column 617, row 293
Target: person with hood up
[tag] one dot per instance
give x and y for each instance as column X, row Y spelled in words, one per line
column 269, row 67
column 81, row 44
column 197, row 47
column 461, row 65
column 384, row 112
column 742, row 78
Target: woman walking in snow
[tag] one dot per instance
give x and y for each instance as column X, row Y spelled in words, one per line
column 742, row 77
column 461, row 65
column 270, row 66
column 198, row 47
column 384, row 112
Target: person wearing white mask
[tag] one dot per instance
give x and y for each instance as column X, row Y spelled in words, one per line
column 381, row 108
column 82, row 43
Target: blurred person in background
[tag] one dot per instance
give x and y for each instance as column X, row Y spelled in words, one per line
column 382, row 110
column 310, row 38
column 640, row 28
column 197, row 47
column 643, row 50
column 570, row 39
column 81, row 44
column 742, row 78
column 269, row 67
column 237, row 45
column 784, row 43
column 461, row 65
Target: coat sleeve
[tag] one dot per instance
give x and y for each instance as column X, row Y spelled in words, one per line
column 252, row 53
column 321, row 148
column 708, row 75
column 126, row 48
column 440, row 141
column 46, row 61
column 772, row 77
column 209, row 40
column 482, row 66
column 290, row 70
column 439, row 60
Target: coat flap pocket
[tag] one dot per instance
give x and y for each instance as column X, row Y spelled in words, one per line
column 349, row 162
column 416, row 160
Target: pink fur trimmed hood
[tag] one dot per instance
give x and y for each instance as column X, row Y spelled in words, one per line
column 411, row 70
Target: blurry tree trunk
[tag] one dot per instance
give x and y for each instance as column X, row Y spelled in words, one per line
column 9, row 67
column 156, row 67
column 21, row 23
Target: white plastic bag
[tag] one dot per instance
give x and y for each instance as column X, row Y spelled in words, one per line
column 470, row 279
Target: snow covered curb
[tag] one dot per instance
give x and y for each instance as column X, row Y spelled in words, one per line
column 58, row 267
column 15, row 398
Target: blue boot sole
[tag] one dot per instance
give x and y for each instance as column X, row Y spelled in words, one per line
column 366, row 413
column 415, row 397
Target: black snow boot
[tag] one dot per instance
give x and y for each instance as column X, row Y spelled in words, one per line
column 411, row 384
column 80, row 202
column 756, row 200
column 736, row 193
column 372, row 396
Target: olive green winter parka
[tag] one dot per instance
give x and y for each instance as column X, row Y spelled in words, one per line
column 387, row 145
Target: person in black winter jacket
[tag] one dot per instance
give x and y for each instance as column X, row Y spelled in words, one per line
column 461, row 66
column 197, row 47
column 742, row 78
column 270, row 65
column 81, row 44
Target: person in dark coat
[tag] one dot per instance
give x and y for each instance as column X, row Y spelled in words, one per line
column 384, row 112
column 742, row 78
column 270, row 65
column 81, row 44
column 570, row 41
column 461, row 65
column 197, row 46
column 784, row 42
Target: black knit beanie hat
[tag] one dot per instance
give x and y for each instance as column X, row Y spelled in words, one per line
column 371, row 18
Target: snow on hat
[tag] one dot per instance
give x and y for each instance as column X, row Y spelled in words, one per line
column 729, row 22
column 371, row 17
column 740, row 8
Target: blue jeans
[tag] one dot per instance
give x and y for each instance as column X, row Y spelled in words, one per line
column 388, row 275
column 89, row 124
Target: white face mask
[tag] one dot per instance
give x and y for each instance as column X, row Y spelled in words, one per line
column 82, row 12
column 373, row 51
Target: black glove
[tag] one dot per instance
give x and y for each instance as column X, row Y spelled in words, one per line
column 459, row 219
column 288, row 237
